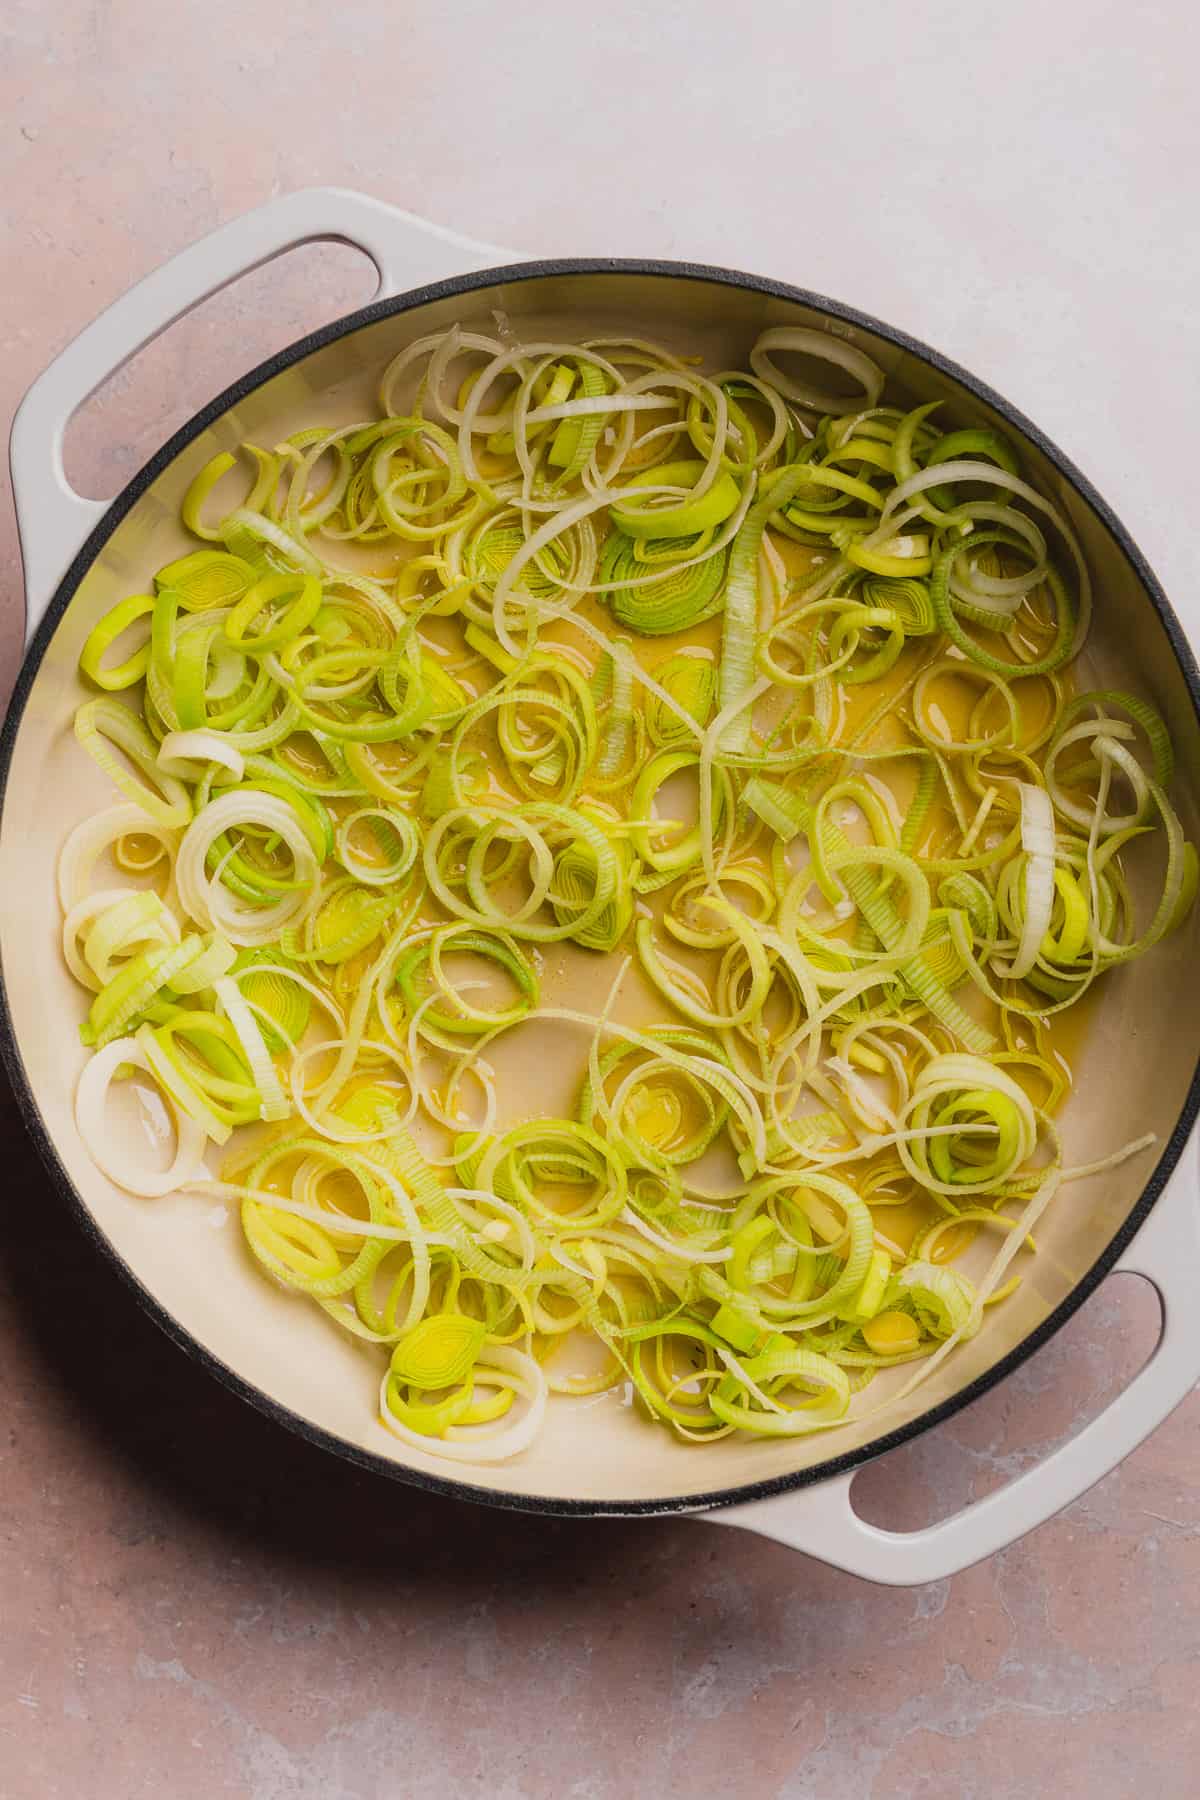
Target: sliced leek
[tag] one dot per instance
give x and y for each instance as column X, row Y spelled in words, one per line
column 748, row 694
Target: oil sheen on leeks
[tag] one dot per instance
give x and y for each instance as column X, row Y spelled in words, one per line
column 745, row 698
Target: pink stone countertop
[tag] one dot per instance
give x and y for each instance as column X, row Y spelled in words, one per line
column 194, row 1603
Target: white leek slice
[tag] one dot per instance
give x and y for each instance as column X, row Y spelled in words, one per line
column 274, row 1100
column 109, row 1155
column 208, row 901
column 821, row 346
column 1038, row 843
column 92, row 837
column 185, row 753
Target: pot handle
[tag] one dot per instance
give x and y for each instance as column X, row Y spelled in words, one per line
column 822, row 1522
column 53, row 520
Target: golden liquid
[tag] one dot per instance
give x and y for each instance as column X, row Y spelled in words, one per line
column 539, row 1067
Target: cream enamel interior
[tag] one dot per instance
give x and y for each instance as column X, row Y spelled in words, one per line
column 1133, row 1072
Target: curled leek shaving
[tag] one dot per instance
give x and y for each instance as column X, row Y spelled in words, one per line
column 707, row 749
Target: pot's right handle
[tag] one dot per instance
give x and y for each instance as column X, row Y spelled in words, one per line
column 822, row 1521
column 52, row 518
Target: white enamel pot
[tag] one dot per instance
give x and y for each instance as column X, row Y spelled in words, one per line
column 1139, row 1063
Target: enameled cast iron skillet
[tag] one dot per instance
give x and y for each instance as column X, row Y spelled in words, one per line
column 1139, row 1063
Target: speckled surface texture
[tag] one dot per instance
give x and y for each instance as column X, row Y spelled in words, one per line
column 190, row 1601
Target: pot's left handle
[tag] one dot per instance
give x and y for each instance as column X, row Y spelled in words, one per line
column 52, row 518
